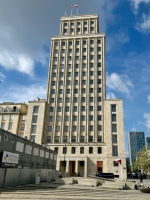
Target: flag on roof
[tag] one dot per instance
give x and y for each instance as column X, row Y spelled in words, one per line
column 76, row 5
column 118, row 160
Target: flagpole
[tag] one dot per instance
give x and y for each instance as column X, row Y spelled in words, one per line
column 71, row 11
column 77, row 10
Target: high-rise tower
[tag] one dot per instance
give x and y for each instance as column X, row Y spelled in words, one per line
column 80, row 123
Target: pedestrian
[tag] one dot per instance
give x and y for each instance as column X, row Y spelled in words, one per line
column 141, row 178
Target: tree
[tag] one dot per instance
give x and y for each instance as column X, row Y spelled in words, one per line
column 142, row 161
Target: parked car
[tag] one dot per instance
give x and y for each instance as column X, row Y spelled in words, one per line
column 105, row 175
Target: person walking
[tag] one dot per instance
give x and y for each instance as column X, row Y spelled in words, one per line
column 141, row 178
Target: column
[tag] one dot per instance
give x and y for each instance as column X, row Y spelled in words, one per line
column 85, row 167
column 76, row 167
column 67, row 168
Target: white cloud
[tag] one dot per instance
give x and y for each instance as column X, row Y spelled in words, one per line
column 144, row 24
column 135, row 4
column 120, row 83
column 116, row 40
column 21, row 93
column 110, row 95
column 133, row 129
column 147, row 120
column 148, row 97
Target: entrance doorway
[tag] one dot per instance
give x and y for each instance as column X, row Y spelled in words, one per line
column 100, row 166
column 72, row 167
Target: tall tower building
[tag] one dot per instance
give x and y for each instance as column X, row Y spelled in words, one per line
column 136, row 142
column 80, row 123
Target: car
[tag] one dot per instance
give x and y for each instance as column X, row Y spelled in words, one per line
column 105, row 175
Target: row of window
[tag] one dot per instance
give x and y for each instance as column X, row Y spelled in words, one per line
column 62, row 59
column 75, row 100
column 84, row 42
column 74, row 139
column 73, row 150
column 78, row 30
column 77, row 66
column 10, row 125
column 84, row 50
column 79, row 23
column 76, row 74
column 12, row 117
column 67, row 109
column 75, row 81
column 74, row 128
column 52, row 100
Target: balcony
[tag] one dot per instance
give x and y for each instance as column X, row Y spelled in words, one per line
column 10, row 110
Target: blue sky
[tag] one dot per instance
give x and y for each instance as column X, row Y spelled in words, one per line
column 26, row 29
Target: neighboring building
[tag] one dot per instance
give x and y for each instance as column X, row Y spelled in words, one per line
column 136, row 142
column 148, row 143
column 76, row 112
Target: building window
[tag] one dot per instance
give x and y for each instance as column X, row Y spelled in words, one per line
column 24, row 117
column 22, row 126
column 75, row 117
column 99, row 138
column 82, row 117
column 84, row 50
column 99, row 65
column 85, row 29
column 99, row 57
column 49, row 128
column 83, row 82
column 2, row 125
column 70, row 43
column 51, row 109
column 59, row 109
column 91, row 73
column 113, row 108
column 81, row 150
column 53, row 83
column 98, row 99
column 91, row 108
column 91, row 90
column 55, row 59
column 56, row 149
column 50, row 118
column 10, row 126
column 61, row 83
column 67, row 109
column 82, row 128
column 98, row 108
column 83, row 90
column 54, row 75
column 35, row 118
column 33, row 138
column 91, row 41
column 48, row 138
column 115, row 164
column 90, row 138
column 52, row 91
column 83, row 99
column 78, row 29
column 35, row 109
column 81, row 138
column 99, row 73
column 4, row 117
column 90, row 150
column 11, row 117
column 69, row 58
column 83, row 73
column 91, row 99
column 63, row 43
column 69, row 74
column 98, row 41
column 54, row 66
column 77, row 42
column 76, row 82
column 74, row 128
column 73, row 150
column 59, row 100
column 73, row 138
column 66, row 118
column 85, row 23
column 82, row 108
column 77, row 58
column 91, row 57
column 64, row 150
column 114, row 127
column 75, row 91
column 70, row 50
column 99, row 150
column 75, row 99
column 58, row 118
column 91, row 50
column 99, row 117
column 99, row 81
column 65, row 138
column 76, row 74
column 99, row 127
column 91, row 82
column 66, row 128
column 77, row 50
column 84, row 65
column 98, row 90
column 57, row 128
column 56, row 44
column 60, row 91
column 76, row 66
column 63, row 51
column 84, row 57
column 91, row 65
column 114, row 138
column 65, row 30
column 91, row 118
column 92, row 29
column 68, row 91
column 56, row 138
column 69, row 66
column 113, row 117
column 115, row 151
column 33, row 129
column 61, row 74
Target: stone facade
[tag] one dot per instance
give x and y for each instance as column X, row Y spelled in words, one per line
column 76, row 119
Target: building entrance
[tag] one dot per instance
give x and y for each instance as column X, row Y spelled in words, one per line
column 72, row 167
column 99, row 166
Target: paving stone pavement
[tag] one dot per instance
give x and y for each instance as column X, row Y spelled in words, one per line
column 71, row 192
